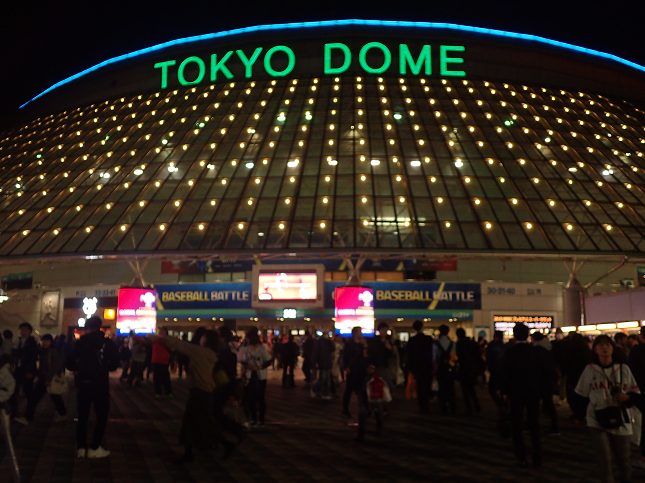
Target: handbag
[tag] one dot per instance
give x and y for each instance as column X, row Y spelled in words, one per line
column 58, row 385
column 611, row 417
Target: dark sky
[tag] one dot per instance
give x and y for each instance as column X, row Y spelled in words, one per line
column 43, row 42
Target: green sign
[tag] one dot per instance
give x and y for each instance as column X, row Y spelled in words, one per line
column 215, row 68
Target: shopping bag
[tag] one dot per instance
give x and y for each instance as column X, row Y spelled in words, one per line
column 58, row 385
column 637, row 426
column 400, row 376
column 411, row 388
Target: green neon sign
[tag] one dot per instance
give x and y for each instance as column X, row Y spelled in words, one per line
column 346, row 62
column 406, row 60
column 444, row 60
column 248, row 63
column 202, row 71
column 267, row 61
column 386, row 61
column 415, row 61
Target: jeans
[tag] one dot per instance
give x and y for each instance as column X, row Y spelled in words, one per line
column 323, row 383
column 27, row 387
column 532, row 407
column 161, row 378
column 39, row 390
column 447, row 393
column 349, row 390
column 606, row 444
column 136, row 372
column 470, row 396
column 100, row 398
column 306, row 369
column 363, row 410
column 424, row 386
column 549, row 408
column 254, row 400
column 287, row 374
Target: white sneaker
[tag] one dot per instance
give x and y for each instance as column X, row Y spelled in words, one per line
column 99, row 452
column 22, row 420
column 81, row 453
column 60, row 418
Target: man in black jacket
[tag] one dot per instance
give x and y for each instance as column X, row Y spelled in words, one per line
column 636, row 363
column 307, row 351
column 419, row 364
column 26, row 366
column 470, row 367
column 352, row 353
column 92, row 359
column 524, row 376
column 494, row 354
column 289, row 353
column 321, row 360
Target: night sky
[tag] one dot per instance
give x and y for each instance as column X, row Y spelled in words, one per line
column 44, row 42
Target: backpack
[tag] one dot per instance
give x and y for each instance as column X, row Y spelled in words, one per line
column 90, row 365
column 448, row 365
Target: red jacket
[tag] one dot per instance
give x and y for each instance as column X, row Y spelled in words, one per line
column 160, row 352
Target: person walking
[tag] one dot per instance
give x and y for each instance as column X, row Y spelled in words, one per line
column 336, row 370
column 182, row 360
column 255, row 359
column 446, row 369
column 321, row 359
column 290, row 352
column 226, row 364
column 352, row 353
column 524, row 375
column 50, row 366
column 125, row 356
column 494, row 356
column 26, row 360
column 160, row 365
column 92, row 359
column 307, row 351
column 419, row 357
column 612, row 390
column 470, row 367
column 198, row 428
column 550, row 381
column 137, row 359
column 636, row 363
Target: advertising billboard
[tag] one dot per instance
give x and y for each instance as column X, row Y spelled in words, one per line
column 354, row 307
column 287, row 286
column 296, row 286
column 136, row 311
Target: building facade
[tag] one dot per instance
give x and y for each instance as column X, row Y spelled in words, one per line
column 425, row 153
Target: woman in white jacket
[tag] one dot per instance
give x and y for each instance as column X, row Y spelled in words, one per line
column 612, row 390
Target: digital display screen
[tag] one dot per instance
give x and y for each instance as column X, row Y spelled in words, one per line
column 505, row 323
column 136, row 311
column 287, row 286
column 354, row 307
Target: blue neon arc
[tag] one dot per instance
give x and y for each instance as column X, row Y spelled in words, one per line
column 335, row 23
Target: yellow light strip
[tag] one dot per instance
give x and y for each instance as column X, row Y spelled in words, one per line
column 569, row 329
column 586, row 328
column 628, row 325
column 606, row 326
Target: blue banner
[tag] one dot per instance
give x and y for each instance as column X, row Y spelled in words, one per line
column 204, row 296
column 387, row 295
column 418, row 295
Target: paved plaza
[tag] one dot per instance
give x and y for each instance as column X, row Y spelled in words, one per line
column 304, row 440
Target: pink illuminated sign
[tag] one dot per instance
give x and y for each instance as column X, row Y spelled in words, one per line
column 354, row 308
column 137, row 311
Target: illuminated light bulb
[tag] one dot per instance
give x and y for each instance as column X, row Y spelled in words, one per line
column 281, row 226
column 439, row 200
column 240, row 226
column 447, row 224
column 123, row 227
column 529, row 226
column 488, row 225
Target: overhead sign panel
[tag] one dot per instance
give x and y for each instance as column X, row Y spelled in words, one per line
column 136, row 311
column 354, row 308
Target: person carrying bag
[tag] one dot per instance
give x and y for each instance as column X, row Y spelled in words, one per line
column 612, row 391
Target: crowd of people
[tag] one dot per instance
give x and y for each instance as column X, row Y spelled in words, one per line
column 599, row 379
